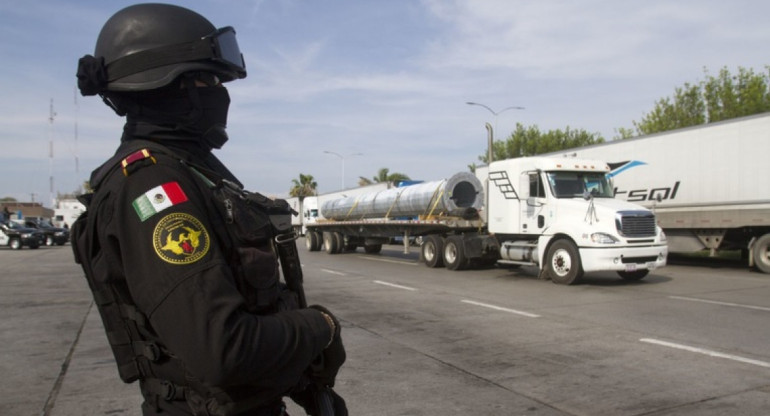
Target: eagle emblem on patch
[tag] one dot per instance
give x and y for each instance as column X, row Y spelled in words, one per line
column 180, row 238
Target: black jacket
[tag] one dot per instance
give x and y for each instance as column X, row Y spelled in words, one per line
column 212, row 305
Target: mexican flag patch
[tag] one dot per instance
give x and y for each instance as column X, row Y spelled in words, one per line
column 157, row 199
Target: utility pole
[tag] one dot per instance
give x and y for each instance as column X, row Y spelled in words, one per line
column 51, row 115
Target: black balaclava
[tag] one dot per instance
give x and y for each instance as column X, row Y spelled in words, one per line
column 182, row 116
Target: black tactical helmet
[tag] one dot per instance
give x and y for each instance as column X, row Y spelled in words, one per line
column 147, row 46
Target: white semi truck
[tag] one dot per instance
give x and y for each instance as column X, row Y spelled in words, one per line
column 556, row 214
column 307, row 212
column 705, row 184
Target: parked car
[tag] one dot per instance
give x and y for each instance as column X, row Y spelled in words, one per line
column 53, row 234
column 16, row 235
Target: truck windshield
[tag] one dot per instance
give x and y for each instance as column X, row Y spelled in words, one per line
column 575, row 184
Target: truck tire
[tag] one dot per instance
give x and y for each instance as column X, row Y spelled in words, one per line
column 454, row 253
column 330, row 243
column 563, row 263
column 312, row 241
column 637, row 275
column 761, row 252
column 432, row 251
column 340, row 242
column 14, row 243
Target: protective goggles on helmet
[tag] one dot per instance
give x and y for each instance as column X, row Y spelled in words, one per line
column 220, row 47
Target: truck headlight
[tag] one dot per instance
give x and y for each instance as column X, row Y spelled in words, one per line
column 662, row 236
column 603, row 238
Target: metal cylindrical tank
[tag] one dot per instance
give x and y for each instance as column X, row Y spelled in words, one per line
column 458, row 195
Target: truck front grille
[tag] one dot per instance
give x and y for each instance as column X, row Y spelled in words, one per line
column 635, row 224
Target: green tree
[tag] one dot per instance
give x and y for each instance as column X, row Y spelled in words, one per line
column 530, row 141
column 384, row 176
column 302, row 187
column 727, row 96
column 714, row 99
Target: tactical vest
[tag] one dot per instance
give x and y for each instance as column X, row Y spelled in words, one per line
column 245, row 223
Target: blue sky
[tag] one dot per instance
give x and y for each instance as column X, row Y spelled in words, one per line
column 385, row 78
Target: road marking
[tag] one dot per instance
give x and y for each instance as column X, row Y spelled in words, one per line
column 333, row 272
column 380, row 282
column 706, row 352
column 408, row 263
column 737, row 305
column 500, row 308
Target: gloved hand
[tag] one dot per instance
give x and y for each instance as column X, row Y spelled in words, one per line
column 324, row 369
column 309, row 399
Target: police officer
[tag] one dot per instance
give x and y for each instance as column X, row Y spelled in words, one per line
column 180, row 259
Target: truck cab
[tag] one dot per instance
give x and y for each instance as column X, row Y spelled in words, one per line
column 560, row 214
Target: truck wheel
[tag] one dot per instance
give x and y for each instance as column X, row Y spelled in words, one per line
column 637, row 275
column 319, row 241
column 563, row 263
column 372, row 248
column 454, row 253
column 761, row 253
column 340, row 242
column 15, row 243
column 330, row 243
column 311, row 241
column 432, row 251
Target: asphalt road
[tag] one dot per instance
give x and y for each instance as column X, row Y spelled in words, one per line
column 686, row 340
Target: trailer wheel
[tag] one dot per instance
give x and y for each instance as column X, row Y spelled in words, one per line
column 432, row 251
column 312, row 241
column 637, row 275
column 454, row 253
column 563, row 263
column 340, row 242
column 761, row 252
column 330, row 243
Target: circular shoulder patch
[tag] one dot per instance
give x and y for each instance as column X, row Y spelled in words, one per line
column 179, row 238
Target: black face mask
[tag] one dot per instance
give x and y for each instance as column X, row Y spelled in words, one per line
column 209, row 119
column 194, row 114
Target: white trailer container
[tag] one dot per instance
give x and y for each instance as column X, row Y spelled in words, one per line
column 557, row 215
column 705, row 184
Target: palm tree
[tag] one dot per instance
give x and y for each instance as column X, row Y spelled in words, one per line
column 384, row 176
column 302, row 187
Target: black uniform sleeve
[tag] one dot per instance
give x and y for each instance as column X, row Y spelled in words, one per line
column 178, row 276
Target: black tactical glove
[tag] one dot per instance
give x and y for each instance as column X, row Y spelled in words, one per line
column 311, row 400
column 324, row 369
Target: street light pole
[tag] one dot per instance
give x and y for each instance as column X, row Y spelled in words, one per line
column 490, row 140
column 489, row 128
column 342, row 158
